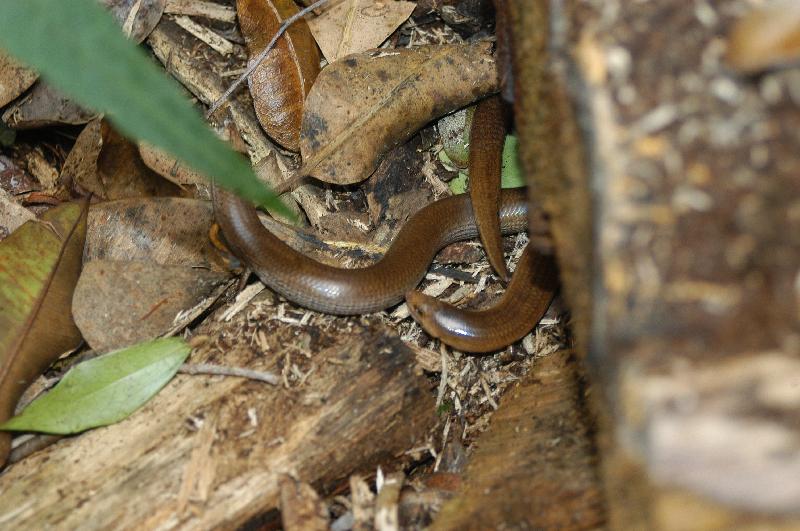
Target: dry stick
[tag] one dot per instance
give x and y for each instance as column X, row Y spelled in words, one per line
column 254, row 64
column 218, row 370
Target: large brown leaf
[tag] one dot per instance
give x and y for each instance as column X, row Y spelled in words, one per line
column 39, row 267
column 117, row 304
column 365, row 104
column 168, row 231
column 280, row 83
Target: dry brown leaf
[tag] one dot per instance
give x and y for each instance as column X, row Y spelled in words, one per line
column 44, row 106
column 117, row 304
column 169, row 167
column 39, row 266
column 108, row 165
column 365, row 104
column 351, row 26
column 169, row 231
column 14, row 79
column 280, row 83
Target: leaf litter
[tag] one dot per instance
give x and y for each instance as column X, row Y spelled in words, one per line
column 471, row 385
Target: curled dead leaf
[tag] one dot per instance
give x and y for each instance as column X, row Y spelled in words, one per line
column 280, row 83
column 109, row 166
column 45, row 105
column 365, row 104
column 137, row 17
column 39, row 267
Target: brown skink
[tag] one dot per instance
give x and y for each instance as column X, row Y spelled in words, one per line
column 487, row 135
column 345, row 291
column 516, row 313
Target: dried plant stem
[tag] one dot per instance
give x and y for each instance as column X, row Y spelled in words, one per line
column 257, row 61
column 219, row 370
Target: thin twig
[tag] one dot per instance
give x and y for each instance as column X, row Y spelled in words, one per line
column 219, row 370
column 257, row 61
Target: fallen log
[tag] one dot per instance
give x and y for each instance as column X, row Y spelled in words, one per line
column 210, row 451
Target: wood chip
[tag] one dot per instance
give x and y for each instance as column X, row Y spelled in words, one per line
column 199, row 8
column 218, row 43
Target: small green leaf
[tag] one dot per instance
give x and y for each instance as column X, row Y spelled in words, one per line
column 103, row 390
column 77, row 46
column 512, row 175
column 459, row 184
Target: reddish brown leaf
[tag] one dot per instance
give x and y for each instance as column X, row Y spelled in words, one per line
column 39, row 267
column 280, row 83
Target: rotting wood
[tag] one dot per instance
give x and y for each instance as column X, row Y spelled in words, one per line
column 535, row 467
column 670, row 182
column 354, row 400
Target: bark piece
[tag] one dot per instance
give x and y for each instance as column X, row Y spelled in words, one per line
column 359, row 404
column 535, row 467
column 668, row 180
column 201, row 8
column 365, row 104
column 386, row 503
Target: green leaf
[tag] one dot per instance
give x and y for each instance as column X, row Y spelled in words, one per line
column 103, row 390
column 459, row 184
column 78, row 47
column 512, row 175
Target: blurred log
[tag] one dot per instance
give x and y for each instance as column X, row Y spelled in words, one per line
column 209, row 452
column 672, row 184
column 535, row 467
